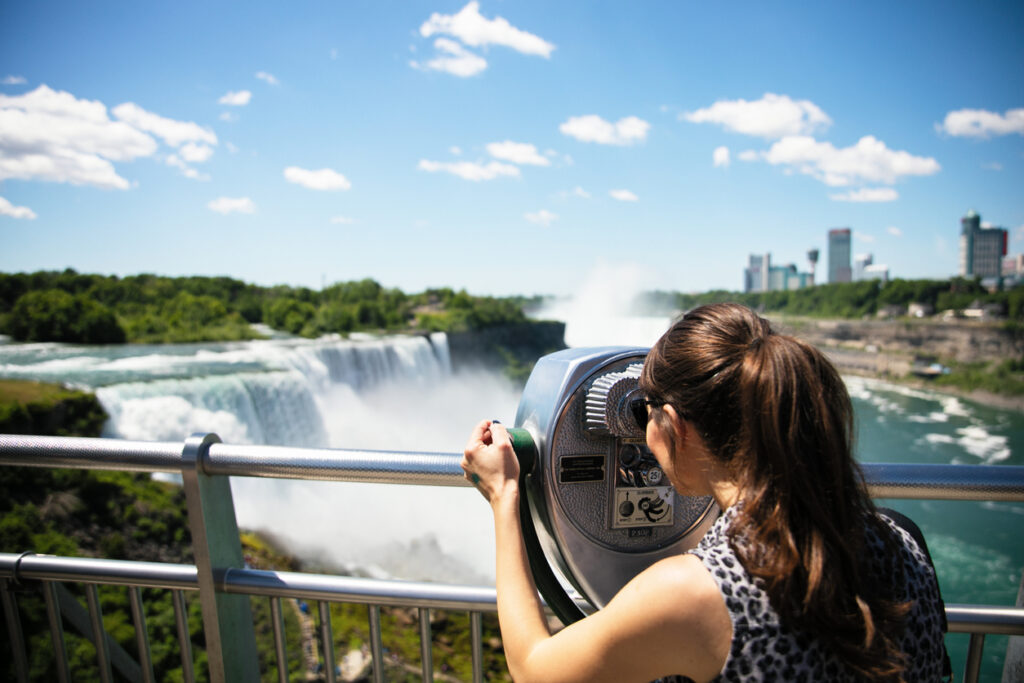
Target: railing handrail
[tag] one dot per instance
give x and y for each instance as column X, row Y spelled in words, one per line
column 224, row 583
column 280, row 584
column 884, row 480
column 360, row 590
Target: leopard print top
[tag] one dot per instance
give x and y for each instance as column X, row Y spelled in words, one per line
column 764, row 649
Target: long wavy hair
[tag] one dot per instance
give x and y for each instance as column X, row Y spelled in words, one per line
column 775, row 412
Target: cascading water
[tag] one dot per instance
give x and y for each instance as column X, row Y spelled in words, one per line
column 386, row 393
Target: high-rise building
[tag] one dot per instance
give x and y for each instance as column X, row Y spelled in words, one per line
column 876, row 271
column 981, row 249
column 761, row 276
column 755, row 275
column 839, row 255
column 860, row 263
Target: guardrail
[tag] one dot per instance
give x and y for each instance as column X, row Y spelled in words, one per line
column 225, row 585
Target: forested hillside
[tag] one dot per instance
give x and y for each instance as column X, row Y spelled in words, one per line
column 68, row 306
column 853, row 299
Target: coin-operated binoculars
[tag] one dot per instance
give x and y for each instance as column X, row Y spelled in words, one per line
column 596, row 507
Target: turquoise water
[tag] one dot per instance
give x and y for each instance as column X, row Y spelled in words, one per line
column 978, row 547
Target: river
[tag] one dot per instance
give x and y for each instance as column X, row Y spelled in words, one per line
column 401, row 393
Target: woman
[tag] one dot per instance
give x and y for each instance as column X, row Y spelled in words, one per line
column 799, row 579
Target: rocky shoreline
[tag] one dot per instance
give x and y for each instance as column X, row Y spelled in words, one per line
column 888, row 349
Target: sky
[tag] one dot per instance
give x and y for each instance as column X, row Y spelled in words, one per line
column 504, row 147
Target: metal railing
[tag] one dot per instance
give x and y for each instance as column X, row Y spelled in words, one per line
column 225, row 585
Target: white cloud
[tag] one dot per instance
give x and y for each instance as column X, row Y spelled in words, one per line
column 517, row 153
column 54, row 136
column 195, row 153
column 863, row 237
column 720, row 157
column 469, row 26
column 894, row 231
column 323, row 179
column 468, row 170
column 8, row 209
column 580, row 192
column 749, row 155
column 226, row 205
column 623, row 195
column 13, row 80
column 868, row 161
column 867, row 194
column 592, row 128
column 235, row 99
column 342, row 220
column 455, row 151
column 772, row 116
column 1018, row 234
column 542, row 217
column 269, row 78
column 979, row 123
column 186, row 170
column 169, row 130
column 231, row 147
column 457, row 60
column 992, row 166
column 228, row 116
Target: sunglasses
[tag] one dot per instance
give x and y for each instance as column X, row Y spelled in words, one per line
column 638, row 406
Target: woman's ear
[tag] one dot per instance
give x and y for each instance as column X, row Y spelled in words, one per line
column 678, row 426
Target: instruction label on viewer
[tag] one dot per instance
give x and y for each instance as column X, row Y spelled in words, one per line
column 651, row 506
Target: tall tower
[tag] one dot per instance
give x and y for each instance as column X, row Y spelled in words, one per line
column 839, row 255
column 970, row 224
column 981, row 249
column 812, row 257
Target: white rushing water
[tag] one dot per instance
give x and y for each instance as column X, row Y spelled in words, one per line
column 391, row 393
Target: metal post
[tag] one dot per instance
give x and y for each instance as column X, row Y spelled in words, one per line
column 1013, row 665
column 141, row 635
column 277, row 618
column 92, row 597
column 327, row 640
column 376, row 645
column 17, row 638
column 227, row 619
column 60, row 651
column 184, row 640
column 426, row 652
column 974, row 651
column 476, row 638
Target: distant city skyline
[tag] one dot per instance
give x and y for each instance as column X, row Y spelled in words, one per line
column 504, row 148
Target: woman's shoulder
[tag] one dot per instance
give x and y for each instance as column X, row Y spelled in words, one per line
column 681, row 591
column 678, row 598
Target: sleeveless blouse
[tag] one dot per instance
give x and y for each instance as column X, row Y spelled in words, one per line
column 764, row 649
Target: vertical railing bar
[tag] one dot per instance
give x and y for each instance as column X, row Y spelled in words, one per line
column 17, row 637
column 141, row 634
column 277, row 618
column 60, row 652
column 477, row 639
column 376, row 644
column 184, row 641
column 426, row 651
column 972, row 669
column 327, row 640
column 99, row 634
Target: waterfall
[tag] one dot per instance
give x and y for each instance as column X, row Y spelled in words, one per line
column 286, row 401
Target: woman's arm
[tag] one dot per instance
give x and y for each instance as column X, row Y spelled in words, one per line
column 670, row 619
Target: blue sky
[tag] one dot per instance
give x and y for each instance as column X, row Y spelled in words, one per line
column 504, row 147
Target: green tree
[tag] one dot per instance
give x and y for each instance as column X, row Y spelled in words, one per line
column 55, row 315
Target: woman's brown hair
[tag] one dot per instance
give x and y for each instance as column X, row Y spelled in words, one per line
column 774, row 411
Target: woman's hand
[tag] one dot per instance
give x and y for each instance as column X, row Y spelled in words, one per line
column 489, row 461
